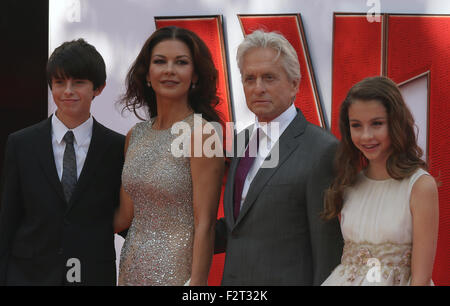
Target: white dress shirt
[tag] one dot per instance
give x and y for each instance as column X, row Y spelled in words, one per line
column 269, row 134
column 82, row 140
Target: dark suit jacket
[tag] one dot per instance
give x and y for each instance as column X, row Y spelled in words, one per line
column 40, row 231
column 278, row 238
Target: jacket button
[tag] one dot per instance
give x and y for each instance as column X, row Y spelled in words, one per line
column 60, row 251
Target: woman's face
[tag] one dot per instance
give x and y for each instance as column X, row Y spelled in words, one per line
column 369, row 129
column 171, row 70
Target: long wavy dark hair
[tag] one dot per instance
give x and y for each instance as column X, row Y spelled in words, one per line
column 202, row 99
column 405, row 156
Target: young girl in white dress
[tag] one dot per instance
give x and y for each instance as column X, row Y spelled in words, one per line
column 388, row 203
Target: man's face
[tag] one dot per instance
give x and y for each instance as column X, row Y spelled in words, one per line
column 73, row 97
column 268, row 90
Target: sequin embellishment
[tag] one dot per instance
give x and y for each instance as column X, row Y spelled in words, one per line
column 158, row 248
column 394, row 259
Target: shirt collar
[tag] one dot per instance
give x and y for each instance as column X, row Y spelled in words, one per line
column 81, row 132
column 282, row 121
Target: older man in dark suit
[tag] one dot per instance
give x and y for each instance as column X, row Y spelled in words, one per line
column 62, row 180
column 272, row 231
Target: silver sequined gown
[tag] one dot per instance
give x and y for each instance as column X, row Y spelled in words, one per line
column 158, row 248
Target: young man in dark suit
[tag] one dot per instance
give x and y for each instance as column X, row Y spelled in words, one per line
column 62, row 179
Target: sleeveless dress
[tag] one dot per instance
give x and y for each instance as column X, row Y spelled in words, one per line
column 159, row 243
column 376, row 224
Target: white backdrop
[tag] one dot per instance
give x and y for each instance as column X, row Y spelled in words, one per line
column 118, row 29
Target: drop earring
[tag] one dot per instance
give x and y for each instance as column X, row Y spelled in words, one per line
column 149, row 84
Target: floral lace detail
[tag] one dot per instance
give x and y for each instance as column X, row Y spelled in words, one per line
column 392, row 258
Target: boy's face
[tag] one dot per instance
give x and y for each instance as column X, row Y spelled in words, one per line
column 73, row 97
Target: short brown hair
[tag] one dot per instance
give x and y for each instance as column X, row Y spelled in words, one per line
column 77, row 59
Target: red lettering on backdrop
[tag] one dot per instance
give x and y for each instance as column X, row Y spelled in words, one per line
column 414, row 45
column 210, row 30
column 292, row 28
column 417, row 44
column 357, row 53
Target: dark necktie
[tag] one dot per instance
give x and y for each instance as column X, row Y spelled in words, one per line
column 245, row 163
column 69, row 174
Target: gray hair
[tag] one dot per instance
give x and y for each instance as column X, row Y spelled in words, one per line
column 276, row 41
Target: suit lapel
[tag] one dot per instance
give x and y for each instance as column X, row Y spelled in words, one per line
column 287, row 143
column 44, row 149
column 96, row 150
column 229, row 192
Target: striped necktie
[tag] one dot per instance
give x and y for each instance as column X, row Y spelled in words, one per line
column 69, row 175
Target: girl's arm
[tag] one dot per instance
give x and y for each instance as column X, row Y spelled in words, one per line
column 424, row 204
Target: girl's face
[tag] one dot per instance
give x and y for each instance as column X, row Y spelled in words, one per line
column 369, row 129
column 171, row 70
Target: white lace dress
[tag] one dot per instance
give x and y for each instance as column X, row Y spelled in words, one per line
column 376, row 224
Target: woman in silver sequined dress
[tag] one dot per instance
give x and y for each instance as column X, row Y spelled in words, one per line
column 171, row 202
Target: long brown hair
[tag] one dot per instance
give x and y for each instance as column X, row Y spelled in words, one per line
column 405, row 156
column 202, row 99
